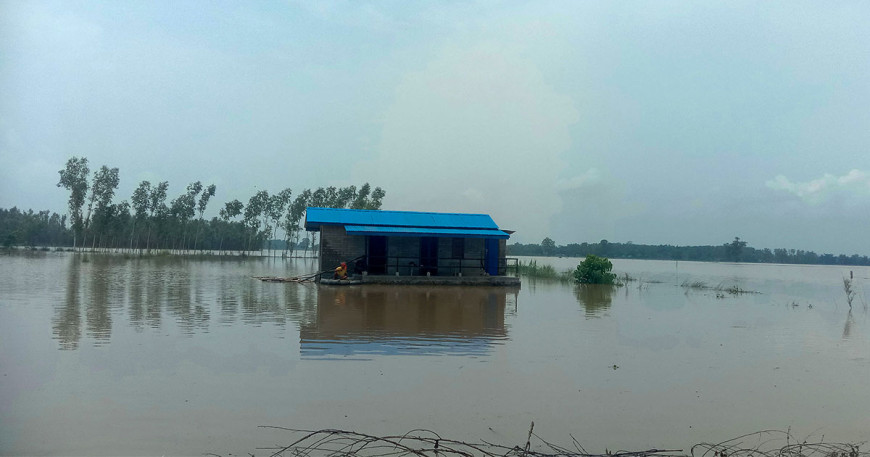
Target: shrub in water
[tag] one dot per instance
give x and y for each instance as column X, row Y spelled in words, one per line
column 594, row 270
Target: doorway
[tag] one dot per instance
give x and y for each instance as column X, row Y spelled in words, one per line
column 491, row 257
column 429, row 256
column 377, row 255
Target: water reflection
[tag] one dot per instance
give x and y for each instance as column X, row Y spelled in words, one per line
column 594, row 298
column 99, row 320
column 136, row 303
column 847, row 327
column 407, row 320
column 104, row 294
column 109, row 294
column 66, row 325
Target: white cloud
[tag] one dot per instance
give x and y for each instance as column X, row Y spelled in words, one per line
column 590, row 177
column 853, row 176
column 820, row 189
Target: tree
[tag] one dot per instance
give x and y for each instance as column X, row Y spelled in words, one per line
column 293, row 217
column 594, row 270
column 317, row 200
column 183, row 208
column 157, row 207
column 604, row 247
column 277, row 204
column 330, row 197
column 207, row 194
column 75, row 179
column 105, row 182
column 229, row 211
column 140, row 204
column 172, row 223
column 548, row 246
column 345, row 196
column 377, row 197
column 362, row 200
column 255, row 208
column 361, row 197
column 120, row 218
column 734, row 249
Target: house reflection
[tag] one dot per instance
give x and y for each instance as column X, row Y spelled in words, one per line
column 375, row 319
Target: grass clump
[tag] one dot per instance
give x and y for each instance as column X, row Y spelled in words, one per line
column 732, row 289
column 721, row 289
column 533, row 270
column 695, row 285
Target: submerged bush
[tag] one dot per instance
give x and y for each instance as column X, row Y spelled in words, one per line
column 594, row 270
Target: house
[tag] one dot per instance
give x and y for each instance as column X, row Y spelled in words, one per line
column 407, row 246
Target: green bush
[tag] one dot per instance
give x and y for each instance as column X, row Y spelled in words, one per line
column 594, row 270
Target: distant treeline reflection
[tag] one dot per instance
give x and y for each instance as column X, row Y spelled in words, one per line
column 734, row 251
column 107, row 293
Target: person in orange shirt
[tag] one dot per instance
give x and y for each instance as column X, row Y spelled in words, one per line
column 340, row 271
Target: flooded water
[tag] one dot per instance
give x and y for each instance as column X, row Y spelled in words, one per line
column 101, row 355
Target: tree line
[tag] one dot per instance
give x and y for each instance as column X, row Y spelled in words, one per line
column 147, row 221
column 734, row 251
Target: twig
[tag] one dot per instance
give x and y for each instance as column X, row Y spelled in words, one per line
column 529, row 439
column 426, row 443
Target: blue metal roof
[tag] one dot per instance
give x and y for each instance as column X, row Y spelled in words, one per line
column 389, row 222
column 332, row 216
column 375, row 230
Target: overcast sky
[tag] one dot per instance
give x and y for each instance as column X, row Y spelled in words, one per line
column 653, row 122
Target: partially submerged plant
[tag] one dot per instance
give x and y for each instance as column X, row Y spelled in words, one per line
column 732, row 289
column 626, row 278
column 721, row 289
column 850, row 292
column 699, row 285
column 594, row 270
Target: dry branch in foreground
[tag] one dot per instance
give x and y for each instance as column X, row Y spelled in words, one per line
column 427, row 443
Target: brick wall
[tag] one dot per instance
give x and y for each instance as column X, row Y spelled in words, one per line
column 337, row 246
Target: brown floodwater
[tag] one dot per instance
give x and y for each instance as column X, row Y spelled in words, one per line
column 102, row 355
